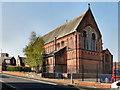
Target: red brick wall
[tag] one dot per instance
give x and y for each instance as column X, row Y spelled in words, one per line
column 80, row 56
column 110, row 61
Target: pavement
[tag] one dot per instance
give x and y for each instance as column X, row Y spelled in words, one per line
column 28, row 82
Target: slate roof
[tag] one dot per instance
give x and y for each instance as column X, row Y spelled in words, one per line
column 65, row 29
column 103, row 51
column 5, row 58
column 55, row 52
column 60, row 50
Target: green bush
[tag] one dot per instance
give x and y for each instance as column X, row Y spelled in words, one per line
column 39, row 71
column 27, row 69
column 18, row 68
column 14, row 68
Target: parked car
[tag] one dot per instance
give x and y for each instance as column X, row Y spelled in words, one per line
column 115, row 81
column 115, row 74
column 116, row 84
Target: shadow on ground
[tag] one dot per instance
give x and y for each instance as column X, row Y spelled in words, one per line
column 34, row 86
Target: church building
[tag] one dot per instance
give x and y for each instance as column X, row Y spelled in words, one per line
column 77, row 42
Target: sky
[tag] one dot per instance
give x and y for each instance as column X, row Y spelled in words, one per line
column 19, row 19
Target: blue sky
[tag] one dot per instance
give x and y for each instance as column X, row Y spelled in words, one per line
column 19, row 19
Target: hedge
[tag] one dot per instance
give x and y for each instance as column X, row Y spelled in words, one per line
column 18, row 68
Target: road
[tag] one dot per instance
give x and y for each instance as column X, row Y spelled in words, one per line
column 30, row 84
column 21, row 83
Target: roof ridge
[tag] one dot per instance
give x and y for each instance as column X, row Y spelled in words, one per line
column 64, row 29
column 66, row 22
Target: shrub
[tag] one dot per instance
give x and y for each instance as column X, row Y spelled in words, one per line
column 19, row 68
column 14, row 68
column 27, row 69
column 39, row 71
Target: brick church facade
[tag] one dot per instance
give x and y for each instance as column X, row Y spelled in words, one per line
column 77, row 42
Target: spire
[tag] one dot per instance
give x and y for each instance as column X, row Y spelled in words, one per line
column 88, row 5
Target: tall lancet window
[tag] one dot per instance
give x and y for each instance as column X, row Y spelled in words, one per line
column 93, row 42
column 68, row 44
column 89, row 39
column 84, row 41
column 71, row 43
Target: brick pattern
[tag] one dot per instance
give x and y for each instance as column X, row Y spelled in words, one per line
column 80, row 56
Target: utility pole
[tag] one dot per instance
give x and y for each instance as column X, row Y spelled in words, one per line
column 1, row 61
column 1, row 53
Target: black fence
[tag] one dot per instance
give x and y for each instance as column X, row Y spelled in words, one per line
column 85, row 72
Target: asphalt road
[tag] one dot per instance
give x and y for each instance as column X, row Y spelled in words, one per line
column 21, row 83
column 29, row 84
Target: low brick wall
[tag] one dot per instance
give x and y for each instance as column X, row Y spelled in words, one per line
column 94, row 84
column 14, row 73
column 27, row 74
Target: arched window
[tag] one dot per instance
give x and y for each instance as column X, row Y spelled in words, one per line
column 71, row 43
column 93, row 42
column 84, row 33
column 84, row 41
column 107, row 58
column 68, row 44
column 52, row 47
column 93, row 36
column 62, row 43
column 48, row 49
column 58, row 45
column 107, row 63
column 89, row 39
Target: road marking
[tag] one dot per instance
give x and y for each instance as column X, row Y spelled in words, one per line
column 31, row 79
column 8, row 84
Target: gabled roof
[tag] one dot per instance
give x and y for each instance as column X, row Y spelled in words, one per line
column 8, row 58
column 55, row 52
column 63, row 30
column 5, row 58
column 21, row 58
column 106, row 51
column 68, row 28
column 60, row 50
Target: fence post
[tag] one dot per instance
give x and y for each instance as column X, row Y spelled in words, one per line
column 82, row 72
column 62, row 67
column 97, row 73
column 54, row 72
column 115, row 71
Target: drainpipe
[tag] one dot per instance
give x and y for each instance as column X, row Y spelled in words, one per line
column 54, row 56
column 76, row 49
